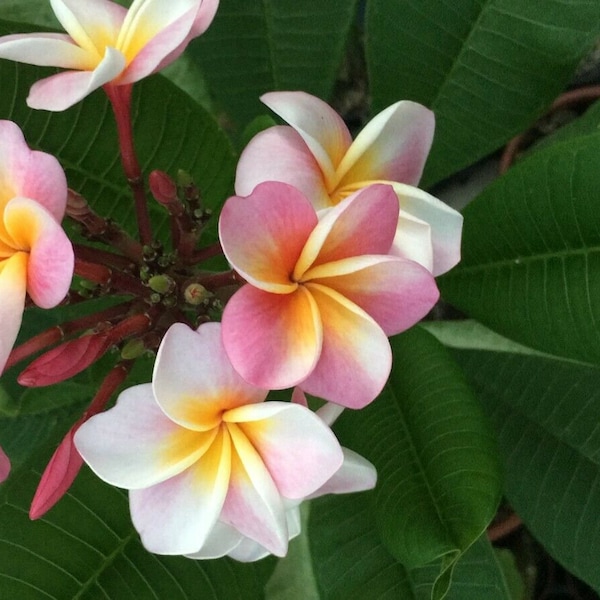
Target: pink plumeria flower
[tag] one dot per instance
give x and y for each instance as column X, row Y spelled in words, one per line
column 316, row 154
column 323, row 293
column 106, row 44
column 36, row 257
column 201, row 452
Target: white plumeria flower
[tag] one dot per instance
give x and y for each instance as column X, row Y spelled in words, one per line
column 106, row 44
column 211, row 468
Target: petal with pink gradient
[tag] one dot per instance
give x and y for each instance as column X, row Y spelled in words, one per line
column 13, row 282
column 272, row 340
column 286, row 434
column 45, row 50
column 356, row 474
column 134, row 445
column 178, row 515
column 4, row 466
column 446, row 224
column 93, row 24
column 395, row 292
column 29, row 173
column 321, row 128
column 263, row 234
column 50, row 268
column 61, row 91
column 280, row 154
column 194, row 381
column 153, row 34
column 363, row 223
column 253, row 505
column 356, row 358
column 393, row 146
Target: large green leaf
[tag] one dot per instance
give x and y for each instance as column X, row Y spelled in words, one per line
column 546, row 414
column 487, row 68
column 439, row 481
column 350, row 562
column 256, row 46
column 171, row 131
column 86, row 548
column 531, row 260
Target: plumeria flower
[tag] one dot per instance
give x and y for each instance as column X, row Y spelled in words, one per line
column 316, row 154
column 206, row 460
column 323, row 293
column 355, row 475
column 106, row 44
column 36, row 257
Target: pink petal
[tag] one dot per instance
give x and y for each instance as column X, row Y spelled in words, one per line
column 280, row 154
column 445, row 222
column 204, row 16
column 134, row 445
column 272, row 340
column 355, row 475
column 45, row 50
column 4, row 466
column 194, row 381
column 31, row 174
column 59, row 92
column 263, row 234
column 395, row 292
column 93, row 24
column 13, row 281
column 299, row 450
column 221, row 540
column 253, row 505
column 177, row 516
column 363, row 223
column 163, row 32
column 321, row 128
column 50, row 267
column 393, row 146
column 57, row 478
column 356, row 359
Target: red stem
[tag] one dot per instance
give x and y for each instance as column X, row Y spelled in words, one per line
column 118, row 281
column 116, row 376
column 120, row 99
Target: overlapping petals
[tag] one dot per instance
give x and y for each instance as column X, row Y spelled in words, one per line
column 316, row 154
column 322, row 294
column 106, row 44
column 211, row 468
column 36, row 257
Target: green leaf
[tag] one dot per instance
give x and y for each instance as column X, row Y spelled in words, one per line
column 546, row 414
column 171, row 132
column 86, row 548
column 257, row 46
column 351, row 563
column 531, row 267
column 487, row 68
column 439, row 480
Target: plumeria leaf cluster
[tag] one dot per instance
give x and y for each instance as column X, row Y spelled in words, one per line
column 247, row 348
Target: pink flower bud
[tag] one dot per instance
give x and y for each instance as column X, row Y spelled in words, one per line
column 163, row 188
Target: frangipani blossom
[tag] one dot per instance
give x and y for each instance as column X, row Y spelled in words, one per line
column 316, row 154
column 204, row 458
column 36, row 257
column 106, row 44
column 323, row 293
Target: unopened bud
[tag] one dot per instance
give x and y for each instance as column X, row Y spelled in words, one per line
column 133, row 349
column 163, row 188
column 184, row 179
column 162, row 284
column 195, row 294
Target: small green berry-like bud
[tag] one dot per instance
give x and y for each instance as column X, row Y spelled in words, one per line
column 162, row 284
column 133, row 349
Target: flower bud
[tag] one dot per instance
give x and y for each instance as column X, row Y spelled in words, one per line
column 163, row 188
